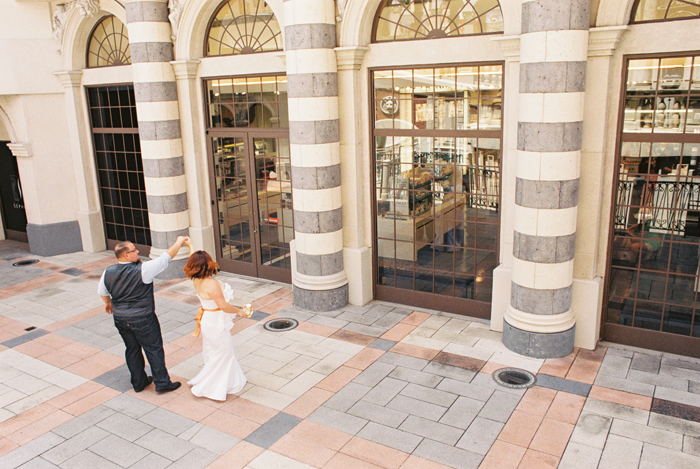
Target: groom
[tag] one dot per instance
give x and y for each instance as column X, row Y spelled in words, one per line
column 127, row 291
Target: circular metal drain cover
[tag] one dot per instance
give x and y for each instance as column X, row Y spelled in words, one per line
column 514, row 378
column 281, row 325
column 25, row 262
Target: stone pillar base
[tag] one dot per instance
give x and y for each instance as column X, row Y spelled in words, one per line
column 53, row 239
column 321, row 300
column 173, row 271
column 537, row 344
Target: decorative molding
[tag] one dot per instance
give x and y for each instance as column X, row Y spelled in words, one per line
column 341, row 9
column 70, row 78
column 510, row 46
column 350, row 58
column 185, row 69
column 175, row 7
column 603, row 41
column 323, row 282
column 87, row 8
column 58, row 23
column 20, row 149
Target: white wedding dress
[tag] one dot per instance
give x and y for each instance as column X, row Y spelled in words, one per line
column 221, row 374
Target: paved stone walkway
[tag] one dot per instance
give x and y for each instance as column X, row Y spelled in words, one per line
column 379, row 386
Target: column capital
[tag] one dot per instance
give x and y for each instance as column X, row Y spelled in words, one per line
column 20, row 149
column 185, row 69
column 350, row 58
column 510, row 46
column 70, row 78
column 603, row 41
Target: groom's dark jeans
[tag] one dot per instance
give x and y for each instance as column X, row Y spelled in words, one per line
column 143, row 332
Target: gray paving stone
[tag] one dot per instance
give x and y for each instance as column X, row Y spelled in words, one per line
column 620, row 352
column 328, row 322
column 118, row 450
column 124, row 426
column 465, row 389
column 385, row 391
column 74, row 445
column 647, row 434
column 38, row 463
column 674, row 424
column 378, row 414
column 462, row 412
column 691, row 445
column 152, row 461
column 165, row 444
column 626, row 385
column 129, row 405
column 665, row 381
column 485, row 380
column 694, row 387
column 679, row 372
column 657, row 457
column 416, row 407
column 578, row 456
column 272, row 430
column 681, row 397
column 356, row 319
column 405, row 361
column 566, row 385
column 198, row 458
column 167, row 421
column 30, row 450
column 374, row 373
column 347, row 396
column 448, row 455
column 118, row 379
column 417, row 377
column 88, row 460
column 83, row 422
column 435, row 431
column 389, row 320
column 688, row 363
column 214, row 441
column 610, row 409
column 645, row 362
column 499, row 407
column 433, row 396
column 338, row 420
column 24, row 338
column 615, row 366
column 620, row 452
column 591, row 430
column 382, row 344
column 390, row 437
column 480, row 435
column 447, row 371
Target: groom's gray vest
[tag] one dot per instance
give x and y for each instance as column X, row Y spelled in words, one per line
column 130, row 296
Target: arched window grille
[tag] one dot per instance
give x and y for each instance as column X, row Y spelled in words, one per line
column 109, row 44
column 243, row 27
column 400, row 20
column 665, row 10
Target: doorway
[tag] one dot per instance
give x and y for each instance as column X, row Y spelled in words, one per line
column 252, row 202
column 12, row 208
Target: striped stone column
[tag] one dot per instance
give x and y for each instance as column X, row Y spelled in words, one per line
column 539, row 321
column 159, row 123
column 319, row 280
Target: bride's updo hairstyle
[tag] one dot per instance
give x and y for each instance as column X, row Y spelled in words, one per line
column 200, row 265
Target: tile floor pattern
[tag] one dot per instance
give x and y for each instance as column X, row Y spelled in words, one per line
column 380, row 386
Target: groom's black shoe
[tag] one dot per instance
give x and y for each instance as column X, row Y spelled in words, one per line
column 149, row 380
column 170, row 387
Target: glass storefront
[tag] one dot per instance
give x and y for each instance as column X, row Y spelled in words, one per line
column 654, row 279
column 437, row 145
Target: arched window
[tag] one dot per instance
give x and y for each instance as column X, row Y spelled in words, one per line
column 243, row 27
column 664, row 10
column 400, row 20
column 109, row 44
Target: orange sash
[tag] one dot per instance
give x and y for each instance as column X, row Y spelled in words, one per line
column 198, row 320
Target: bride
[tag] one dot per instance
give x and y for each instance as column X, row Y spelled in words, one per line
column 221, row 374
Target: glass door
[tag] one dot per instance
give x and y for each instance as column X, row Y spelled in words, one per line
column 253, row 203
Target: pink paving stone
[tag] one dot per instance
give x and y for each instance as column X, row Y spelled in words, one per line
column 335, row 381
column 6, row 446
column 38, row 428
column 230, row 424
column 490, row 367
column 415, row 351
column 537, row 400
column 277, row 305
column 302, row 450
column 33, row 349
column 317, row 329
column 559, row 367
column 59, row 359
column 416, row 318
column 583, row 371
column 552, row 437
column 364, row 358
column 398, row 332
column 324, row 436
column 343, row 461
column 566, row 407
column 503, row 455
column 249, row 410
column 79, row 350
column 54, row 341
column 520, row 428
column 237, row 457
column 74, row 395
column 27, row 417
column 81, row 406
column 190, row 407
column 308, row 402
column 414, row 462
column 536, row 460
column 374, row 453
column 620, row 397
